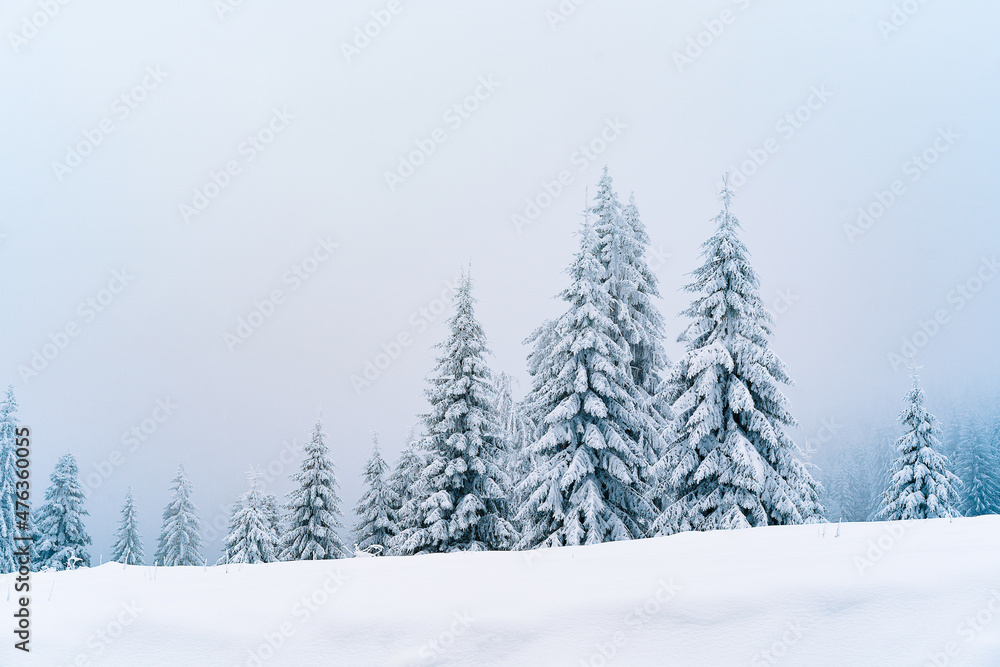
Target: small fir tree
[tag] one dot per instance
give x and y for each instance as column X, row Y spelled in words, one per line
column 464, row 502
column 180, row 536
column 376, row 510
column 922, row 486
column 252, row 537
column 61, row 539
column 314, row 514
column 128, row 545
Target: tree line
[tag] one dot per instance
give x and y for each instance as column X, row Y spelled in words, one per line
column 613, row 441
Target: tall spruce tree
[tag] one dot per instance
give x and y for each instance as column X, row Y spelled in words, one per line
column 61, row 540
column 8, row 483
column 463, row 505
column 922, row 486
column 587, row 485
column 376, row 510
column 314, row 514
column 180, row 536
column 731, row 464
column 622, row 243
column 127, row 548
column 252, row 536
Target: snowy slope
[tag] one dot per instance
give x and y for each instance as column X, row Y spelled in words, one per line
column 803, row 594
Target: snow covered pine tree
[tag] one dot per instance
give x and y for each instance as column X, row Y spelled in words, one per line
column 252, row 537
column 376, row 512
column 731, row 464
column 622, row 242
column 977, row 463
column 587, row 487
column 180, row 538
column 861, row 499
column 8, row 482
column 314, row 508
column 464, row 503
column 128, row 545
column 517, row 432
column 61, row 540
column 272, row 511
column 404, row 482
column 922, row 487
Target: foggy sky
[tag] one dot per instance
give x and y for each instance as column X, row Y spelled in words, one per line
column 302, row 131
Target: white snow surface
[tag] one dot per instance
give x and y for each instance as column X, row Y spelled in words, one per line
column 802, row 594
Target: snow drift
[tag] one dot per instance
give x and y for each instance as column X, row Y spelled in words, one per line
column 892, row 593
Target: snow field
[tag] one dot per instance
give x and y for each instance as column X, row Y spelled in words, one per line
column 922, row 593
